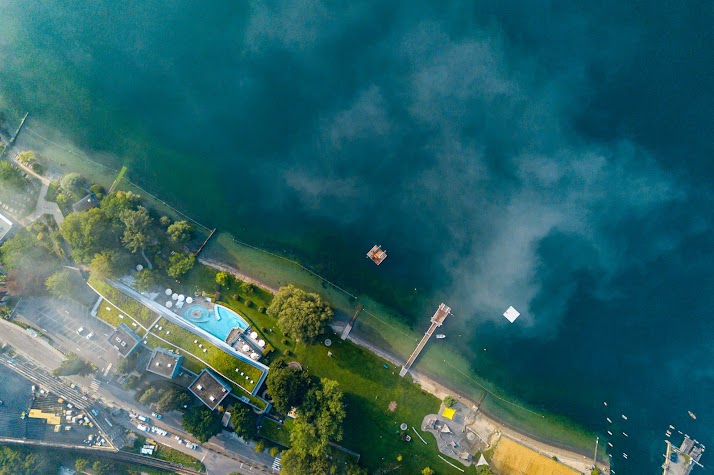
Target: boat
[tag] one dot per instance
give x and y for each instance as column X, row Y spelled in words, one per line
column 605, row 403
column 610, row 444
column 624, row 454
column 609, row 455
column 609, row 420
column 668, row 434
column 691, row 414
column 624, row 417
column 440, row 336
column 671, row 426
column 609, row 433
column 625, row 434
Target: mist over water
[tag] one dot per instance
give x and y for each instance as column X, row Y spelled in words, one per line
column 553, row 157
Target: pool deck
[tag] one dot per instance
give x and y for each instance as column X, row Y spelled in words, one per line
column 183, row 323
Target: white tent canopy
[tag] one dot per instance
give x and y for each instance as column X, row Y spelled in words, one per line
column 261, row 343
column 169, row 304
column 174, row 296
column 181, row 297
column 189, row 299
column 511, row 314
column 168, row 291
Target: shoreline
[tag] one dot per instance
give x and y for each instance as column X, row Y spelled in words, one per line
column 427, row 383
column 489, row 422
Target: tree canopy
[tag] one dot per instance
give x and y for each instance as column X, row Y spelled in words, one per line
column 202, row 423
column 73, row 183
column 146, row 279
column 302, row 315
column 287, row 386
column 245, row 421
column 19, row 462
column 60, row 284
column 484, row 470
column 180, row 263
column 29, row 263
column 222, row 279
column 87, row 233
column 136, row 229
column 180, row 231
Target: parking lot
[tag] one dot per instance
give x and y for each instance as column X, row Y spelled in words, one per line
column 60, row 320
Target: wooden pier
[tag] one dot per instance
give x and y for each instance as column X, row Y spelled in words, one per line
column 205, row 242
column 436, row 321
column 348, row 327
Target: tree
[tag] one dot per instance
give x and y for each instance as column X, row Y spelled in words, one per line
column 118, row 202
column 87, row 233
column 449, row 401
column 109, row 264
column 259, row 446
column 29, row 263
column 287, row 386
column 149, row 396
column 60, row 284
column 180, row 263
column 302, row 315
column 73, row 183
column 100, row 468
column 180, row 231
column 247, row 287
column 145, row 280
column 427, row 471
column 484, row 470
column 201, row 423
column 245, row 422
column 127, row 364
column 80, row 465
column 320, row 421
column 165, row 221
column 136, row 231
column 222, row 279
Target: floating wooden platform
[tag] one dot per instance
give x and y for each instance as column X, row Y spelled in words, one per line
column 377, row 254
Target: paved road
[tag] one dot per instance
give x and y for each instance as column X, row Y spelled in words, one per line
column 42, row 352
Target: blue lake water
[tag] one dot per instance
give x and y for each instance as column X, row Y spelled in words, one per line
column 551, row 156
column 218, row 322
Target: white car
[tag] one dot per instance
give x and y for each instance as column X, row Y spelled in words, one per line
column 90, row 335
column 80, row 330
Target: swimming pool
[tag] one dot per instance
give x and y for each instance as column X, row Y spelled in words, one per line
column 218, row 322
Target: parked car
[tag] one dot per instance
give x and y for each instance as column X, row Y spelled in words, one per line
column 80, row 330
column 157, row 415
column 90, row 335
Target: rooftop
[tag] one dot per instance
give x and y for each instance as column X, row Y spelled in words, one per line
column 209, row 388
column 377, row 254
column 124, row 340
column 85, row 204
column 5, row 226
column 164, row 363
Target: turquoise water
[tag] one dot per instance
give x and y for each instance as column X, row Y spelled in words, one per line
column 552, row 156
column 207, row 320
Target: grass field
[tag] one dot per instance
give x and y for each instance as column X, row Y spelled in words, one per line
column 113, row 316
column 511, row 458
column 138, row 312
column 276, row 432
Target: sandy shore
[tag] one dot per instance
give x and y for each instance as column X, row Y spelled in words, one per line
column 486, row 424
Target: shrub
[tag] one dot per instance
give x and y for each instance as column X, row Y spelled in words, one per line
column 259, row 447
column 236, row 297
column 286, row 341
column 449, row 401
column 262, row 309
column 248, row 303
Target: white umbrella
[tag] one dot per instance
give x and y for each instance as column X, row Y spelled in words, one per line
column 174, row 296
column 254, row 356
column 168, row 291
column 254, row 335
column 189, row 299
column 181, row 297
column 246, row 348
column 169, row 304
column 139, row 267
column 261, row 343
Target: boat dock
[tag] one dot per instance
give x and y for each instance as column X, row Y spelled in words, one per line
column 681, row 460
column 348, row 327
column 436, row 321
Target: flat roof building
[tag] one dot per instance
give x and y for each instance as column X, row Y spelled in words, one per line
column 209, row 388
column 85, row 204
column 164, row 363
column 5, row 226
column 124, row 340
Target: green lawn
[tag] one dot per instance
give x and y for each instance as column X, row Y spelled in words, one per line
column 113, row 316
column 171, row 455
column 276, row 432
column 138, row 312
column 229, row 366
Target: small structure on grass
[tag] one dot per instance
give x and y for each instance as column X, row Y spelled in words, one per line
column 209, row 388
column 165, row 363
column 85, row 204
column 124, row 340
